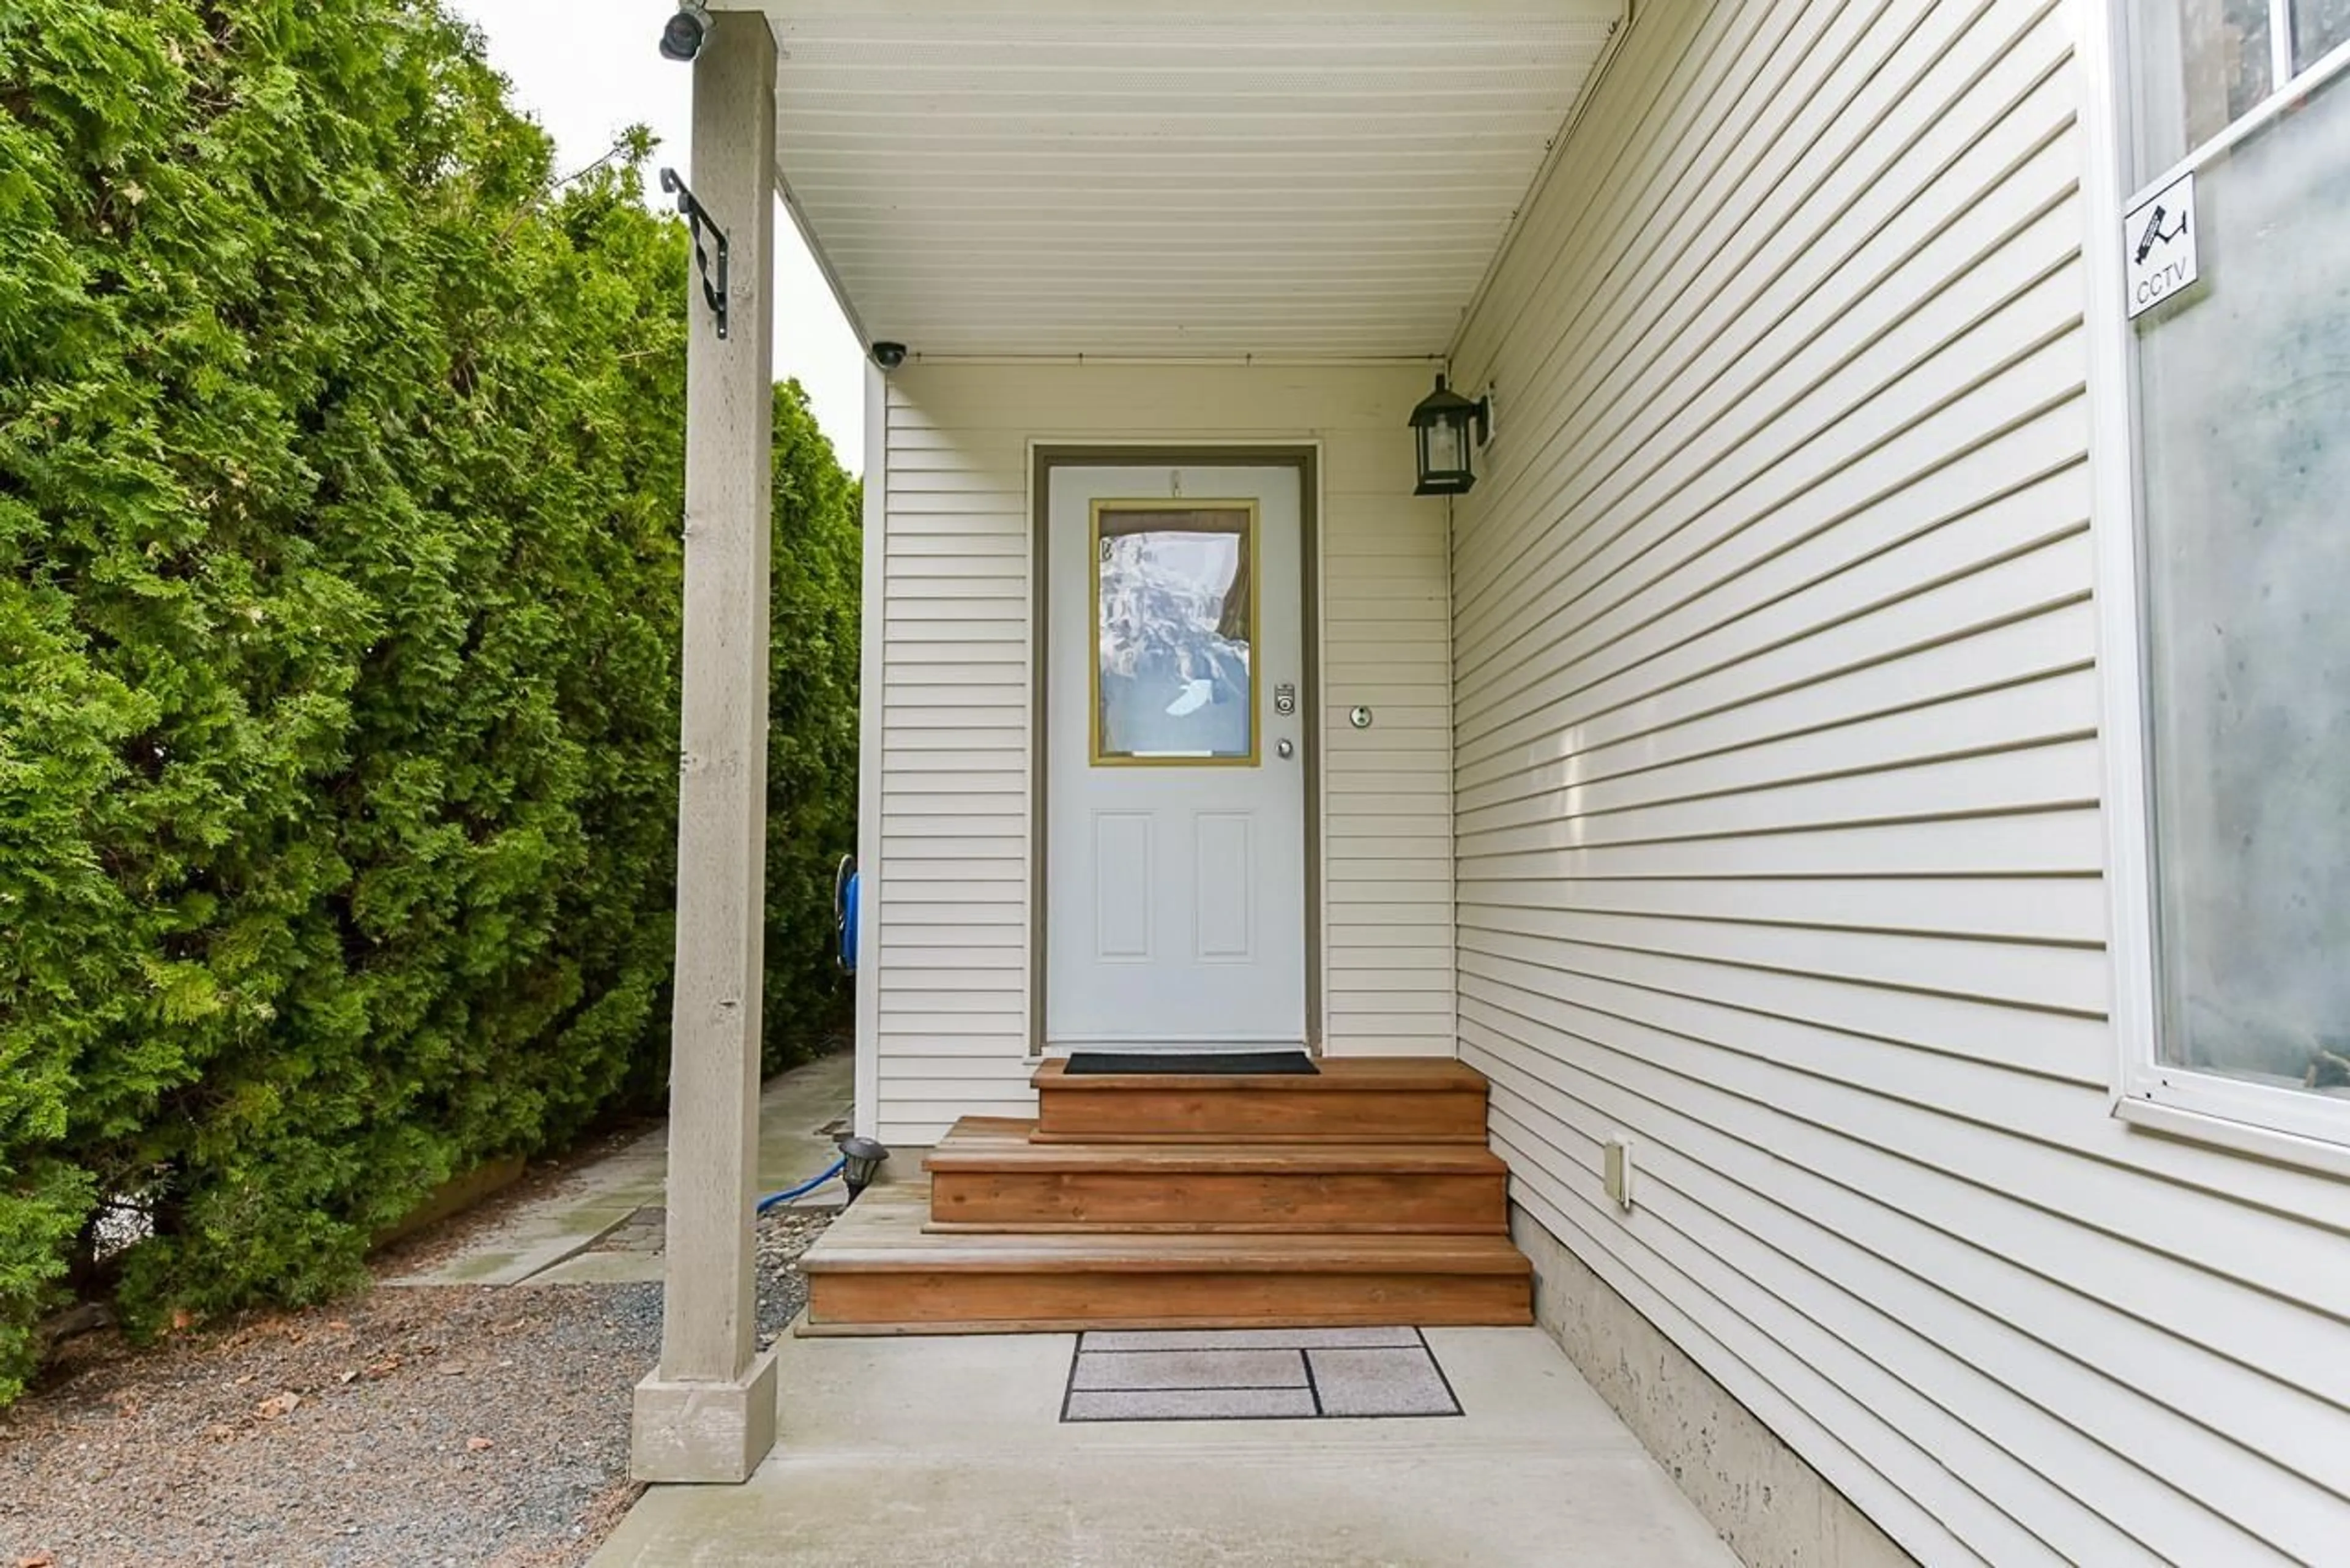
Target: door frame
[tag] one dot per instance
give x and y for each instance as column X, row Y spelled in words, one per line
column 1305, row 460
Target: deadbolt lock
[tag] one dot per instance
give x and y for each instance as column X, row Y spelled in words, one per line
column 1284, row 698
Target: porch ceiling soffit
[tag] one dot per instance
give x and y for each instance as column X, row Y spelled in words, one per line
column 1053, row 177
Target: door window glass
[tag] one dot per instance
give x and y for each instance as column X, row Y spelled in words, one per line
column 1174, row 632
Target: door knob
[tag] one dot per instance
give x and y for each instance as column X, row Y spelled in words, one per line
column 1285, row 748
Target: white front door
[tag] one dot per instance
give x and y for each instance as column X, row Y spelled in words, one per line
column 1175, row 767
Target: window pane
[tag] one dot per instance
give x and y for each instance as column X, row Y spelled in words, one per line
column 2319, row 27
column 2246, row 464
column 2198, row 65
column 1174, row 617
column 2228, row 67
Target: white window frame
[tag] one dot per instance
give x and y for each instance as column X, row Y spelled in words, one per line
column 2293, row 1126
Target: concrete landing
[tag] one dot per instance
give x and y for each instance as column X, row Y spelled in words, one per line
column 951, row 1452
column 554, row 1239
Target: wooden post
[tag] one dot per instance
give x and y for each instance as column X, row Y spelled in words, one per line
column 708, row 1413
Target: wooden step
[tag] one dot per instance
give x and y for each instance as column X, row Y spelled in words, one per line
column 1353, row 1099
column 877, row 1271
column 987, row 1175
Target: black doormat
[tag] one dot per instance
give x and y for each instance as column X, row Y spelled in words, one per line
column 1205, row 1064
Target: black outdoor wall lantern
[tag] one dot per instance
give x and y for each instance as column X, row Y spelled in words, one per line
column 1441, row 423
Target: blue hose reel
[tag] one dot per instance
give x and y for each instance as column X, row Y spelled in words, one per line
column 845, row 880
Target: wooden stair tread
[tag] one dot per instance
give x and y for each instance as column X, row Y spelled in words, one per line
column 882, row 1304
column 1209, row 1227
column 1358, row 1100
column 1338, row 1075
column 886, row 1237
column 1176, row 1251
column 1005, row 1143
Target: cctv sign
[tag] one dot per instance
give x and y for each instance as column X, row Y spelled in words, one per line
column 2158, row 246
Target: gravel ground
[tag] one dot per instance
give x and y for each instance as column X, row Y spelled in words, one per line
column 783, row 1237
column 450, row 1425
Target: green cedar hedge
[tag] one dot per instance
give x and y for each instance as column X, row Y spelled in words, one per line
column 340, row 460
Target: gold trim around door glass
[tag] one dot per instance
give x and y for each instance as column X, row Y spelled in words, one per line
column 1107, row 526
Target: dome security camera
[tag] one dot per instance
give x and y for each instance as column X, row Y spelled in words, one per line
column 682, row 35
column 889, row 356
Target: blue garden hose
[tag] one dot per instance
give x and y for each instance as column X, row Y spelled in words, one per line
column 788, row 1193
column 844, row 919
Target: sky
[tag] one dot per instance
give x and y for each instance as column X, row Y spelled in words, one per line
column 587, row 68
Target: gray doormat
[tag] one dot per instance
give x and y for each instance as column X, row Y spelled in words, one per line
column 1204, row 1064
column 1256, row 1375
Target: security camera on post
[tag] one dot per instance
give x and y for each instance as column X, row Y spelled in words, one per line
column 682, row 35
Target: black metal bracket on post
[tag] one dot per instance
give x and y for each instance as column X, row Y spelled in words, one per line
column 698, row 222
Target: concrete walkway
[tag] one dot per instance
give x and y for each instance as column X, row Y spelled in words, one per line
column 951, row 1452
column 601, row 1225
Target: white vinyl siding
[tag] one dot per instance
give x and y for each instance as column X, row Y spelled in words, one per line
column 952, row 887
column 1778, row 825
